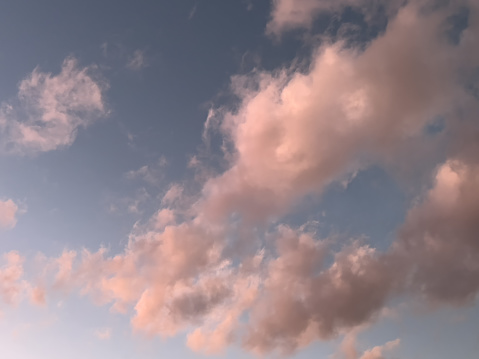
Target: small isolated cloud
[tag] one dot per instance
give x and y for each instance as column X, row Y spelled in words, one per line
column 103, row 333
column 50, row 109
column 349, row 348
column 12, row 286
column 193, row 11
column 294, row 132
column 137, row 61
column 8, row 214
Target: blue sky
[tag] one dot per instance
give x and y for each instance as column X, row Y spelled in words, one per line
column 285, row 178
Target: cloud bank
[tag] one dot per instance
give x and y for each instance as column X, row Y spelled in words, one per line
column 8, row 214
column 224, row 270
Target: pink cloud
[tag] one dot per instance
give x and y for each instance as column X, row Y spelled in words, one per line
column 11, row 284
column 349, row 348
column 103, row 333
column 50, row 109
column 303, row 300
column 8, row 214
column 292, row 14
column 294, row 132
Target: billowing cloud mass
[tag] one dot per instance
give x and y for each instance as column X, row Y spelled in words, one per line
column 303, row 301
column 8, row 214
column 292, row 133
column 137, row 61
column 50, row 109
column 440, row 236
column 296, row 132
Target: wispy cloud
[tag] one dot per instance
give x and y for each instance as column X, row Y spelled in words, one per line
column 50, row 109
column 152, row 174
column 103, row 333
column 8, row 214
column 293, row 14
column 137, row 61
column 12, row 285
column 227, row 270
column 193, row 11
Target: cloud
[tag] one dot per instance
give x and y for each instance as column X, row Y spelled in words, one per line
column 133, row 204
column 350, row 351
column 38, row 296
column 103, row 333
column 137, row 61
column 50, row 109
column 377, row 352
column 439, row 236
column 152, row 174
column 293, row 14
column 173, row 194
column 12, row 286
column 293, row 132
column 8, row 213
column 303, row 301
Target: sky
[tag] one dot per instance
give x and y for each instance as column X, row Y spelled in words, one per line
column 239, row 179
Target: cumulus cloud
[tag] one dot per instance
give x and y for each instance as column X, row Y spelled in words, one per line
column 349, row 348
column 151, row 174
column 38, row 296
column 174, row 278
column 295, row 132
column 8, row 214
column 440, row 236
column 50, row 109
column 292, row 133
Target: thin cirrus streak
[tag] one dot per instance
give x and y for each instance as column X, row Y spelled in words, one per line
column 293, row 133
